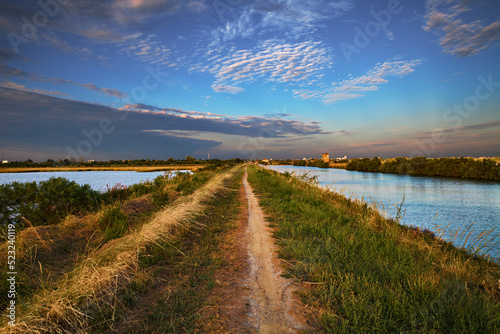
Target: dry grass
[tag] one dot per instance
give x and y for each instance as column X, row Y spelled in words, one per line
column 82, row 294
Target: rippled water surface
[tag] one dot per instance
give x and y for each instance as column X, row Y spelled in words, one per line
column 428, row 200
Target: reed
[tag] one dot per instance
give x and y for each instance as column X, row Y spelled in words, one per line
column 485, row 244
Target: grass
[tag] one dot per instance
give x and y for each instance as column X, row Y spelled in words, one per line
column 84, row 299
column 188, row 262
column 362, row 273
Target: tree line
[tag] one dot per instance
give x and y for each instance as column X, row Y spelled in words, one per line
column 319, row 163
column 467, row 168
column 118, row 163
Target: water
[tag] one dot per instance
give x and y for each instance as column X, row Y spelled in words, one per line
column 98, row 180
column 428, row 201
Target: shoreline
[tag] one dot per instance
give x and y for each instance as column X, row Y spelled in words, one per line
column 101, row 169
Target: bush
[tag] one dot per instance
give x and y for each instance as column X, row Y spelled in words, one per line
column 160, row 197
column 114, row 222
column 46, row 203
column 116, row 193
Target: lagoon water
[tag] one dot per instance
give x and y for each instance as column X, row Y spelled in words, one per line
column 98, row 180
column 428, row 201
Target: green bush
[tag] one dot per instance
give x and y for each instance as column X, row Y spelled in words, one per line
column 114, row 222
column 116, row 193
column 160, row 197
column 45, row 203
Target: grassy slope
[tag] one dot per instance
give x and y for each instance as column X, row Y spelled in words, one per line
column 92, row 296
column 188, row 263
column 369, row 274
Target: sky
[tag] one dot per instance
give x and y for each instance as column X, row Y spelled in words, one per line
column 153, row 79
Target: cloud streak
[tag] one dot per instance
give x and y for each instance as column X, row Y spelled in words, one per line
column 469, row 128
column 456, row 36
column 8, row 71
column 357, row 87
column 13, row 85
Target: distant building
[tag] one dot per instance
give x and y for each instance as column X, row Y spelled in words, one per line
column 91, row 161
column 325, row 157
column 5, row 161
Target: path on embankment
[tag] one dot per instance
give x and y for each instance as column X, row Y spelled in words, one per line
column 270, row 294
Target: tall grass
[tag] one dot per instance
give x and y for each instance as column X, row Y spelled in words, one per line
column 363, row 273
column 94, row 283
column 485, row 244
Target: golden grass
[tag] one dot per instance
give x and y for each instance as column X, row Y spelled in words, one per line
column 95, row 282
column 82, row 169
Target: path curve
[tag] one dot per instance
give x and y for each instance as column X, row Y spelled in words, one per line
column 270, row 298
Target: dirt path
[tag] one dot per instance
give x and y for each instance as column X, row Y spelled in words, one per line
column 270, row 296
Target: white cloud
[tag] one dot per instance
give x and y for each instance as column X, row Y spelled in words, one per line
column 300, row 63
column 227, row 89
column 294, row 18
column 353, row 88
column 334, row 97
column 457, row 37
column 148, row 49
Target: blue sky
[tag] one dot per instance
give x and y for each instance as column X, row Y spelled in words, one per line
column 251, row 79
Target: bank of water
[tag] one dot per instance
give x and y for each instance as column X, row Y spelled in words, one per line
column 429, row 202
column 98, row 180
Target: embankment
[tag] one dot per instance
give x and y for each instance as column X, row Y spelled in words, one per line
column 360, row 272
column 171, row 260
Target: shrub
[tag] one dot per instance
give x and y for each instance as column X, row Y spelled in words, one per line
column 45, row 203
column 160, row 197
column 118, row 192
column 114, row 222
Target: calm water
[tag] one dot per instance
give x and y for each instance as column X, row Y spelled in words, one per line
column 98, row 180
column 429, row 201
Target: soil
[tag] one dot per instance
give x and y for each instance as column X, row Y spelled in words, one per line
column 252, row 297
column 272, row 304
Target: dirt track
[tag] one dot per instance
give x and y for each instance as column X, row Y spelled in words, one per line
column 270, row 294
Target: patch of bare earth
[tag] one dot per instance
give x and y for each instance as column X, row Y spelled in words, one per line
column 231, row 297
column 273, row 306
column 254, row 298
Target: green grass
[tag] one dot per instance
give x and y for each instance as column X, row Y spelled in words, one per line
column 187, row 265
column 371, row 274
column 50, row 258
